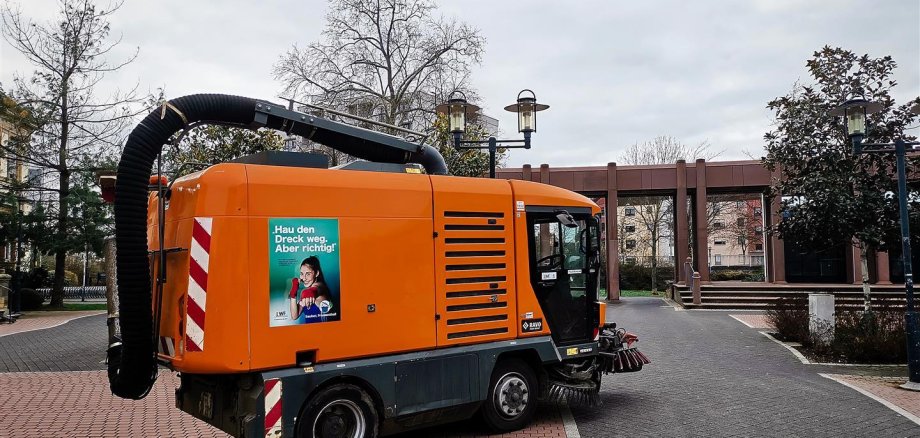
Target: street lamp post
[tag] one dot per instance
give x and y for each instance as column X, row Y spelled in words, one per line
column 458, row 109
column 854, row 112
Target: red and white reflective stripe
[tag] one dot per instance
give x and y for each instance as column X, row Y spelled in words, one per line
column 197, row 284
column 272, row 408
column 166, row 346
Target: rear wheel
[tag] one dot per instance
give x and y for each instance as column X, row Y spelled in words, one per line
column 339, row 411
column 512, row 398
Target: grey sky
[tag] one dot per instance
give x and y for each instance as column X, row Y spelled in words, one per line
column 614, row 73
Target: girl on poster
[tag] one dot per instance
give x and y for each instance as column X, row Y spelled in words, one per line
column 314, row 300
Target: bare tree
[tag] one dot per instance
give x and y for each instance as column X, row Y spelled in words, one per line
column 655, row 213
column 388, row 60
column 72, row 129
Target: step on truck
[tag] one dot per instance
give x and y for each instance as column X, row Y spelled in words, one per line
column 298, row 301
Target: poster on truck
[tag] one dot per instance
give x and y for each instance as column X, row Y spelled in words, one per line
column 304, row 271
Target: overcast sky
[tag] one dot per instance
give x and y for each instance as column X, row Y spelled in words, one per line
column 614, row 73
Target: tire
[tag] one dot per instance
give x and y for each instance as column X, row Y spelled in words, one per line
column 512, row 398
column 338, row 411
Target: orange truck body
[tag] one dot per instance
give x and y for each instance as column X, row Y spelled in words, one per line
column 426, row 262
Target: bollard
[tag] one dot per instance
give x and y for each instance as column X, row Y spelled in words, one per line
column 111, row 291
column 697, row 296
column 821, row 317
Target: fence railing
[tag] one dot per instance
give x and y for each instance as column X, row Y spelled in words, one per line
column 735, row 260
column 663, row 261
column 77, row 293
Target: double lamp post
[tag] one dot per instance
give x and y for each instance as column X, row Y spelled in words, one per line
column 854, row 112
column 458, row 109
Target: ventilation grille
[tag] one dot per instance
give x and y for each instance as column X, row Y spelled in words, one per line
column 477, row 251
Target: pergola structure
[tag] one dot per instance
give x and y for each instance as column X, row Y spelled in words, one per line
column 683, row 181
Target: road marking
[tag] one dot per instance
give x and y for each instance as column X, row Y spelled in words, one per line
column 805, row 360
column 571, row 429
column 887, row 404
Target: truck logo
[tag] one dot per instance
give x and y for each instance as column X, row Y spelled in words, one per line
column 532, row 325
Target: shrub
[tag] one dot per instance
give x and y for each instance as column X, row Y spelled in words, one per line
column 790, row 317
column 874, row 337
column 30, row 299
column 71, row 279
column 38, row 278
column 639, row 277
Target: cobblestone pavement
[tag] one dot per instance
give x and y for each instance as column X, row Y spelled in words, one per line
column 712, row 376
column 42, row 320
column 78, row 345
column 79, row 404
column 886, row 390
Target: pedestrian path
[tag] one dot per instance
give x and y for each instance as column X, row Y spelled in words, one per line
column 38, row 320
column 881, row 388
column 79, row 404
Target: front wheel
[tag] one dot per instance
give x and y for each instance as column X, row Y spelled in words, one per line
column 339, row 411
column 512, row 399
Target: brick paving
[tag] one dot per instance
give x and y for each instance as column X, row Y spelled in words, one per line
column 887, row 389
column 42, row 320
column 753, row 320
column 711, row 376
column 78, row 345
column 79, row 404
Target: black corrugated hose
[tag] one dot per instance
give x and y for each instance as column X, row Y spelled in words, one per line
column 132, row 362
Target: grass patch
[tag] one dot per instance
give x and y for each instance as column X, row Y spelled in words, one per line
column 602, row 294
column 74, row 306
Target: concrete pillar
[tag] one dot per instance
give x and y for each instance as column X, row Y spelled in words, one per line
column 778, row 251
column 682, row 231
column 613, row 240
column 701, row 222
column 821, row 317
column 882, row 270
column 526, row 173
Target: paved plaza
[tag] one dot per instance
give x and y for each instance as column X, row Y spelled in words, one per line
column 711, row 375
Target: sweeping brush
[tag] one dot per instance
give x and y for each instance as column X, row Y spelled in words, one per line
column 584, row 394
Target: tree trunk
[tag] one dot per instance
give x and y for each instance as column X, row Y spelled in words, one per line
column 867, row 299
column 60, row 253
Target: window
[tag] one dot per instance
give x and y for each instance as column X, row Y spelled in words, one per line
column 740, row 222
column 757, row 210
column 718, row 259
column 718, row 225
column 758, row 247
column 757, row 260
column 720, row 242
column 630, row 228
column 630, row 260
column 739, row 204
column 630, row 211
column 741, row 240
column 758, row 229
column 630, row 244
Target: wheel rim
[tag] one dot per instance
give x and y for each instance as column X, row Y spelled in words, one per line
column 340, row 419
column 511, row 395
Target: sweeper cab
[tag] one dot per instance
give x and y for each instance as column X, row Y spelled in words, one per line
column 295, row 300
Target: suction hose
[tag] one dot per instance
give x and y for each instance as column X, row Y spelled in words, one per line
column 132, row 366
